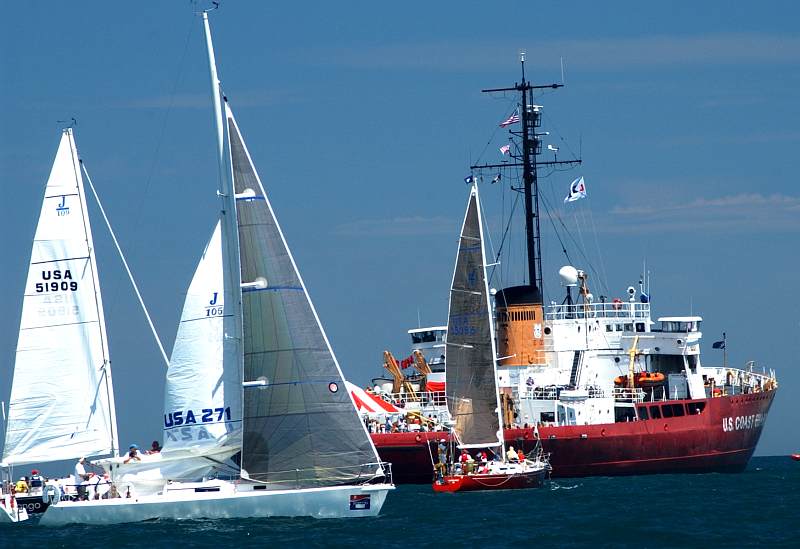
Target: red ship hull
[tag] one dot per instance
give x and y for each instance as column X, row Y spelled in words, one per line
column 473, row 483
column 721, row 438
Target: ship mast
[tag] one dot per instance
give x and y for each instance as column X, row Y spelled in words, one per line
column 528, row 160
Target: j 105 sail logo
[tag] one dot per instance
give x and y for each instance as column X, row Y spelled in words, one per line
column 214, row 307
column 62, row 209
column 56, row 281
column 739, row 423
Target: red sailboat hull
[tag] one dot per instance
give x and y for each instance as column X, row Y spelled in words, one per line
column 473, row 483
column 721, row 438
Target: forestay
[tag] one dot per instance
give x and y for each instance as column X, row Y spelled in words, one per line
column 62, row 404
column 202, row 402
column 300, row 425
column 470, row 348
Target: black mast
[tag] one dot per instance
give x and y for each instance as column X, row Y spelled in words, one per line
column 531, row 119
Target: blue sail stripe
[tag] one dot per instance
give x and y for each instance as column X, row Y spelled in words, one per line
column 272, row 288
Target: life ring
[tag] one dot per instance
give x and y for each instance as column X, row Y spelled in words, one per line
column 51, row 494
column 418, row 438
column 617, row 304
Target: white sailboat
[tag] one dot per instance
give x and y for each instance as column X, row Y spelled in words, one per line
column 472, row 396
column 62, row 399
column 253, row 384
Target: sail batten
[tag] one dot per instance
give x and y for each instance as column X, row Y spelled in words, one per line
column 300, row 426
column 470, row 348
column 62, row 404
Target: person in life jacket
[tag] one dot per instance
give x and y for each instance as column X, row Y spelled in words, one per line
column 37, row 482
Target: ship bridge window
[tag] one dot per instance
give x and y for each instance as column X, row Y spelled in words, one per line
column 629, row 327
column 609, row 327
column 423, row 337
column 695, row 408
column 640, row 327
column 666, row 364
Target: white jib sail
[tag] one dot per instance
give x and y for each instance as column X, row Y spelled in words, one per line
column 202, row 402
column 62, row 403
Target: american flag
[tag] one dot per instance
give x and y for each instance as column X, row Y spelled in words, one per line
column 513, row 119
column 504, row 149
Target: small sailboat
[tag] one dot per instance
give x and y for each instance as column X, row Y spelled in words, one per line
column 62, row 398
column 472, row 395
column 258, row 421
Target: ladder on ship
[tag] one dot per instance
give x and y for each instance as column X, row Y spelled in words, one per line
column 576, row 368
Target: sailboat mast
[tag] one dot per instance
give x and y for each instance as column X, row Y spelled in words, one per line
column 106, row 368
column 234, row 330
column 492, row 335
column 224, row 180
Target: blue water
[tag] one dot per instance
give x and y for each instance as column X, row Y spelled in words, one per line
column 758, row 507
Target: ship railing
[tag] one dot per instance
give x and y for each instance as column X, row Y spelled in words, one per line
column 553, row 392
column 623, row 310
column 425, row 399
column 734, row 381
column 541, row 393
column 626, row 394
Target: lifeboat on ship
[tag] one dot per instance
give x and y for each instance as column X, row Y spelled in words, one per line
column 642, row 379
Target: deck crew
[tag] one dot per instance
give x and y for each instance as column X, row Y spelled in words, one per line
column 512, row 455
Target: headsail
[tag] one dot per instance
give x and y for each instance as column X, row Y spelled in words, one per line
column 470, row 349
column 202, row 402
column 300, row 424
column 62, row 401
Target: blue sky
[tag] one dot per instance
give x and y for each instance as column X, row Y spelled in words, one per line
column 363, row 119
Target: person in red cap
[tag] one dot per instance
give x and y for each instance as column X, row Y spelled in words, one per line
column 37, row 483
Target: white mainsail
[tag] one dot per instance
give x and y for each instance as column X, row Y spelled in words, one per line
column 62, row 401
column 202, row 402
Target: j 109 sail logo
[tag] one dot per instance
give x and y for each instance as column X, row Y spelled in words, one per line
column 56, row 281
column 62, row 209
column 214, row 307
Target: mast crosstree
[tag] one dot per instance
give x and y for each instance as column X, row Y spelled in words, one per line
column 528, row 159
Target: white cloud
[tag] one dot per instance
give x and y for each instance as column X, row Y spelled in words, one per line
column 745, row 212
column 399, row 226
column 599, row 54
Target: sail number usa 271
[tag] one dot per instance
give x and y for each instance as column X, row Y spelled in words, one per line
column 190, row 417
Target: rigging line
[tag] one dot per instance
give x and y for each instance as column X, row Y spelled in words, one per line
column 491, row 138
column 125, row 263
column 595, row 272
column 555, row 229
column 160, row 141
column 577, row 245
column 604, row 281
column 505, row 234
column 551, row 124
